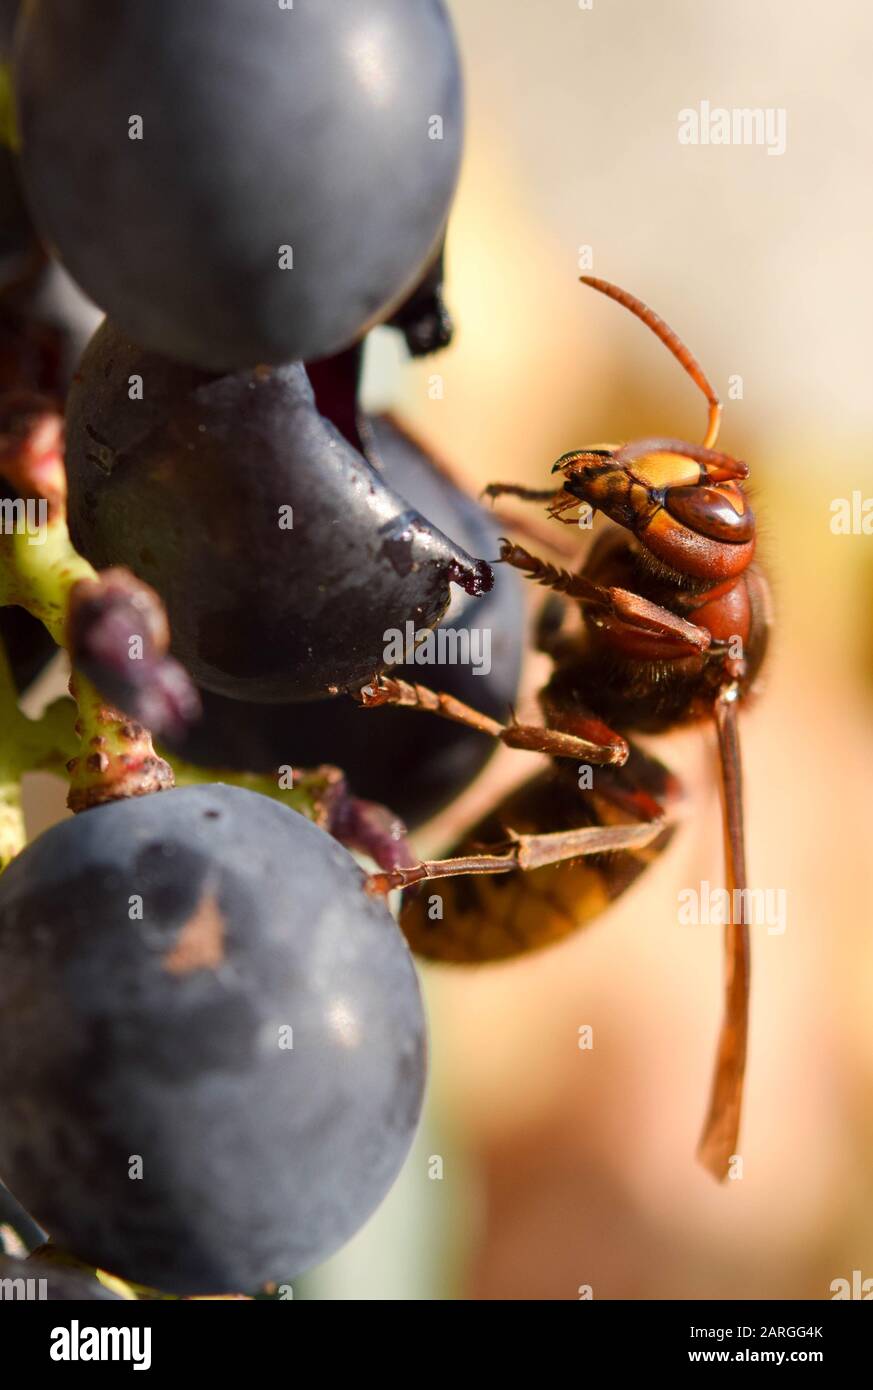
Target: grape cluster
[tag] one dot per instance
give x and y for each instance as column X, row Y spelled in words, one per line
column 212, row 1043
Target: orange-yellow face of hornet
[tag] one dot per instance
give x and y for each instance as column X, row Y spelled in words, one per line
column 682, row 502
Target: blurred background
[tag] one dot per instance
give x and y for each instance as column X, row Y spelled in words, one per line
column 542, row 1168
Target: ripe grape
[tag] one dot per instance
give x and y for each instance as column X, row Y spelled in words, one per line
column 237, row 184
column 211, row 1040
column 412, row 763
column 280, row 553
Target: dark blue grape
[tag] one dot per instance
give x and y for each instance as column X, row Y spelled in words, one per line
column 162, row 1037
column 411, row 762
column 310, row 128
column 186, row 488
